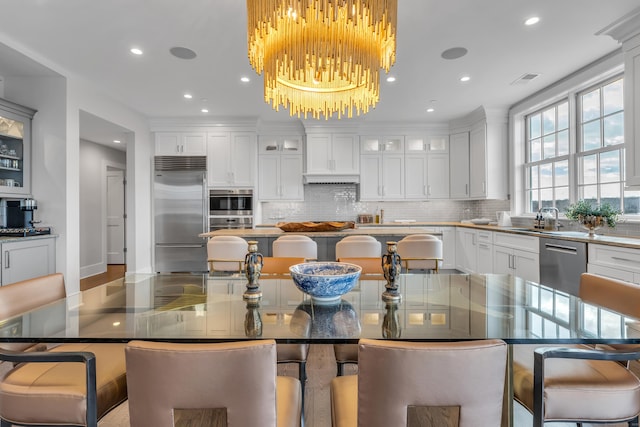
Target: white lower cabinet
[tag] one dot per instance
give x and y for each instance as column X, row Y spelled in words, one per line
column 516, row 255
column 26, row 259
column 466, row 244
column 615, row 262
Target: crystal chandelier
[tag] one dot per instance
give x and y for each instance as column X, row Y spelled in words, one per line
column 322, row 56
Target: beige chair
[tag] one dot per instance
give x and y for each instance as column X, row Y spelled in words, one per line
column 360, row 246
column 235, row 382
column 398, row 382
column 348, row 353
column 580, row 383
column 421, row 251
column 70, row 384
column 226, row 254
column 295, row 245
column 288, row 353
column 279, row 265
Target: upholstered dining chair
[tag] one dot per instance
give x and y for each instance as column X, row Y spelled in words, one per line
column 235, row 382
column 580, row 383
column 360, row 246
column 295, row 245
column 421, row 251
column 348, row 353
column 288, row 353
column 226, row 253
column 399, row 382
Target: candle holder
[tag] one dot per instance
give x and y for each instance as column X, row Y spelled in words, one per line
column 253, row 320
column 253, row 262
column 391, row 266
column 391, row 327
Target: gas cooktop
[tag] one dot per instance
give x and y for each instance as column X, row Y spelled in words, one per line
column 24, row 232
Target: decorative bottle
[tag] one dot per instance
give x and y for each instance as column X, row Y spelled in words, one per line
column 253, row 262
column 391, row 266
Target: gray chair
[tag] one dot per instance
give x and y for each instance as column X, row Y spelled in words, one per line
column 399, row 382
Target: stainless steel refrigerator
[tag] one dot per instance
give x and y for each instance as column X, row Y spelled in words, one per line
column 180, row 213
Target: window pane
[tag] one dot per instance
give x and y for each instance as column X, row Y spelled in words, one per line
column 562, row 198
column 591, row 105
column 563, row 143
column 546, row 178
column 534, row 205
column 563, row 116
column 613, row 127
column 536, row 148
column 546, row 197
column 610, row 193
column 610, row 166
column 591, row 135
column 589, row 193
column 562, row 173
column 631, row 202
column 589, row 170
column 535, row 130
column 549, row 121
column 549, row 146
column 533, row 177
column 612, row 97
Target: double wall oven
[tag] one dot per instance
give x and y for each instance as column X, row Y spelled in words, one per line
column 230, row 208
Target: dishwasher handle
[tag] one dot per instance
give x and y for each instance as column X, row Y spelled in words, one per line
column 561, row 248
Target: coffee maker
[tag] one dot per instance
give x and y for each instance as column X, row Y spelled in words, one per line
column 18, row 213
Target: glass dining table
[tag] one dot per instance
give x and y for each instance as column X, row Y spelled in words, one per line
column 433, row 307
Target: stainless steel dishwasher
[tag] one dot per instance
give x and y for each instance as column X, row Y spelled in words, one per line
column 561, row 264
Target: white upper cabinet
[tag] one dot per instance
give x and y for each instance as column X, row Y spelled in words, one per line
column 382, row 168
column 478, row 156
column 332, row 154
column 15, row 149
column 280, row 168
column 231, row 159
column 459, row 165
column 181, row 143
column 426, row 165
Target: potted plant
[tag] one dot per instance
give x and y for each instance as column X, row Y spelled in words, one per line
column 593, row 217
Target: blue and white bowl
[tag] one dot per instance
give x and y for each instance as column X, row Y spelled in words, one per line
column 325, row 281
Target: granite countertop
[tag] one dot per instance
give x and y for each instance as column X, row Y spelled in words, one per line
column 431, row 226
column 8, row 239
column 380, row 230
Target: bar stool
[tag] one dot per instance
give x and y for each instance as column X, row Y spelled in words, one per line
column 226, row 253
column 421, row 251
column 295, row 245
column 358, row 247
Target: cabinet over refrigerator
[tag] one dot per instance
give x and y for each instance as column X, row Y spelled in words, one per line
column 180, row 213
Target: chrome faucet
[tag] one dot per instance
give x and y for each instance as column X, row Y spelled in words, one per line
column 556, row 223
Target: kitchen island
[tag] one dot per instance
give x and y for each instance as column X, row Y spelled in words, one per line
column 326, row 240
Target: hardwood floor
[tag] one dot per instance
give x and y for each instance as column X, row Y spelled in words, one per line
column 114, row 271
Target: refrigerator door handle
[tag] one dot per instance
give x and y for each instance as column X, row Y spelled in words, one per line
column 205, row 205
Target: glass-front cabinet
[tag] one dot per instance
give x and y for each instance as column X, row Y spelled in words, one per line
column 15, row 148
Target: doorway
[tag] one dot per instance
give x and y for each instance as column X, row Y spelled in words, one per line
column 116, row 214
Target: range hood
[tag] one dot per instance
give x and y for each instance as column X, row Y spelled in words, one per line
column 331, row 179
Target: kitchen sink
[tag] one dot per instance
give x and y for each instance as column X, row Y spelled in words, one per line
column 552, row 232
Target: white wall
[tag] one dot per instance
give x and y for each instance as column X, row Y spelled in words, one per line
column 94, row 159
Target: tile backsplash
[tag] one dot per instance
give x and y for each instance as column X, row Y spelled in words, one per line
column 339, row 202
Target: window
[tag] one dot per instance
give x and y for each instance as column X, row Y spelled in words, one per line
column 600, row 156
column 597, row 161
column 547, row 164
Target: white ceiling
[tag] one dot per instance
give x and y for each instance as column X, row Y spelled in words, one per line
column 92, row 39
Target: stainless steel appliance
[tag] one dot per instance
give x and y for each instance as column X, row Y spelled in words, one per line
column 230, row 208
column 561, row 264
column 180, row 212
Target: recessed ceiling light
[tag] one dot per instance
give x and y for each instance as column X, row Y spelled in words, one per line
column 465, row 78
column 454, row 53
column 116, row 141
column 204, row 110
column 430, row 110
column 188, row 95
column 136, row 51
column 245, row 79
column 391, row 79
column 182, row 52
column 532, row 21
